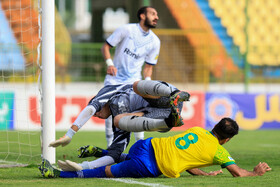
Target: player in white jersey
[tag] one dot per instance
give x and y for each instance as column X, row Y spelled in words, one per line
column 135, row 45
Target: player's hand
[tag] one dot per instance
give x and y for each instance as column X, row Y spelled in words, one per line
column 261, row 168
column 215, row 172
column 112, row 70
column 63, row 141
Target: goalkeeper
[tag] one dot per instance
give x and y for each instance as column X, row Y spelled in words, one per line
column 131, row 106
column 171, row 156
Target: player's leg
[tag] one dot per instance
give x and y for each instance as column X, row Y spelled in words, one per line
column 87, row 173
column 73, row 166
column 138, row 123
column 150, row 88
column 129, row 168
column 177, row 97
column 110, row 156
column 103, row 161
column 142, row 163
column 147, row 88
column 47, row 170
column 113, row 154
column 89, row 150
column 109, row 130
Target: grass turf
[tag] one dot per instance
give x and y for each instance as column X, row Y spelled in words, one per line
column 248, row 148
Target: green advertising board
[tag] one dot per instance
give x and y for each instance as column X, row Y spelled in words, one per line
column 6, row 110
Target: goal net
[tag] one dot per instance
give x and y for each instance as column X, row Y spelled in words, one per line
column 19, row 88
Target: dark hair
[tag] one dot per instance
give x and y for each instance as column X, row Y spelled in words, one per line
column 226, row 128
column 142, row 10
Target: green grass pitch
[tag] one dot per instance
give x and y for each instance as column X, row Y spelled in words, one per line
column 248, row 148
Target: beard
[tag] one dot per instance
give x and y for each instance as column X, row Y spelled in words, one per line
column 148, row 23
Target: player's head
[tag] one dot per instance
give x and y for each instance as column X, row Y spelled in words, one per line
column 104, row 113
column 148, row 15
column 225, row 129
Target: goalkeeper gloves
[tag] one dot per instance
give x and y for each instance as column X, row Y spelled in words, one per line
column 65, row 140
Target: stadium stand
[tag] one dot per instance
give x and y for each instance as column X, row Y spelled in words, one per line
column 189, row 17
column 241, row 27
column 23, row 18
column 263, row 28
column 24, row 23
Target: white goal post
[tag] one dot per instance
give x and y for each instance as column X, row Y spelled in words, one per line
column 27, row 30
column 48, row 78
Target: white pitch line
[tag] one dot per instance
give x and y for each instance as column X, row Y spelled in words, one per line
column 269, row 145
column 8, row 164
column 129, row 181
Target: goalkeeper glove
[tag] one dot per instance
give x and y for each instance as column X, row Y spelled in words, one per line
column 65, row 140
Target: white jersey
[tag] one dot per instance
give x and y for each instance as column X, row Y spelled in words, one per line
column 134, row 47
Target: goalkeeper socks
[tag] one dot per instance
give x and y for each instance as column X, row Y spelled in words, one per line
column 154, row 88
column 138, row 124
column 88, row 173
column 102, row 161
column 84, row 165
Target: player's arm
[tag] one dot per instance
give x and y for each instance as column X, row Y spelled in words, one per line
column 147, row 71
column 196, row 171
column 66, row 139
column 259, row 170
column 151, row 60
column 111, row 69
column 83, row 117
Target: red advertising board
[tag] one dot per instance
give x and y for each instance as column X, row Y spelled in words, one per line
column 193, row 112
column 69, row 107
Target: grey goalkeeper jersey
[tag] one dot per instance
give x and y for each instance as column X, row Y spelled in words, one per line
column 122, row 99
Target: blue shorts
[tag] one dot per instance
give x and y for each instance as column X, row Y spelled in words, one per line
column 141, row 162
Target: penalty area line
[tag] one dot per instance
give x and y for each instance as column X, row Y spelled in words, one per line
column 129, row 181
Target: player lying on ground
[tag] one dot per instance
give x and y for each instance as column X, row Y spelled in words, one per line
column 155, row 104
column 171, row 156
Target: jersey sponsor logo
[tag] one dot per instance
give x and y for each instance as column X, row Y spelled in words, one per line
column 122, row 107
column 156, row 57
column 128, row 52
column 230, row 158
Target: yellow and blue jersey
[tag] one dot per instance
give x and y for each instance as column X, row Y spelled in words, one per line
column 193, row 148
